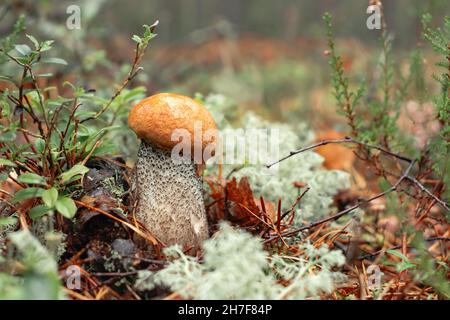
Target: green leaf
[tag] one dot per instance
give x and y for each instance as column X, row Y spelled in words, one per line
column 104, row 149
column 443, row 264
column 5, row 109
column 398, row 254
column 50, row 197
column 134, row 94
column 40, row 145
column 46, row 45
column 55, row 61
column 23, row 49
column 31, row 178
column 137, row 39
column 39, row 211
column 7, row 136
column 405, row 266
column 42, row 287
column 66, row 207
column 23, row 60
column 6, row 221
column 6, row 162
column 33, row 39
column 74, row 172
column 27, row 193
column 93, row 137
column 44, row 75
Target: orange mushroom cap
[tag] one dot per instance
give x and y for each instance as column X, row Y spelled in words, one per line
column 156, row 118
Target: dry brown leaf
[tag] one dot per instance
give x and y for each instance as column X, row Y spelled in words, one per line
column 337, row 156
column 241, row 203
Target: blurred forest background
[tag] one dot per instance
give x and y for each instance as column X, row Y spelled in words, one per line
column 188, row 20
column 266, row 55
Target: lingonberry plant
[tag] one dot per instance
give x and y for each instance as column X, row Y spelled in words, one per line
column 46, row 140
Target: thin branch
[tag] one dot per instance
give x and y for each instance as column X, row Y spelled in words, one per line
column 292, row 208
column 348, row 210
column 344, row 140
column 114, row 274
column 428, row 192
column 6, row 193
column 371, row 255
column 134, row 70
column 371, row 146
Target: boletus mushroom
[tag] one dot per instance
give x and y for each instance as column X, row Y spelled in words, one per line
column 168, row 187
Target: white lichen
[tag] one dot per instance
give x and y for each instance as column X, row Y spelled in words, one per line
column 305, row 168
column 235, row 266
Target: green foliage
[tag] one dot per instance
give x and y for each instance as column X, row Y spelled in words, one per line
column 424, row 268
column 39, row 276
column 405, row 264
column 7, row 43
column 372, row 110
column 66, row 207
column 380, row 126
column 433, row 272
column 45, row 141
column 73, row 173
column 64, row 132
column 439, row 40
column 347, row 100
column 60, row 134
column 146, row 37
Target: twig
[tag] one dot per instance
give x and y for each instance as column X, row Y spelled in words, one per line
column 114, row 274
column 29, row 133
column 233, row 171
column 344, row 140
column 134, row 70
column 428, row 192
column 371, row 146
column 371, row 255
column 146, row 235
column 295, row 203
column 154, row 261
column 97, row 143
column 348, row 210
column 27, row 69
column 6, row 192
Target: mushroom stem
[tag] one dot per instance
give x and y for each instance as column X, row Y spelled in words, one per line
column 170, row 201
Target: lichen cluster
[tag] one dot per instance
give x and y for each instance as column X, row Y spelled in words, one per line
column 235, row 266
column 278, row 182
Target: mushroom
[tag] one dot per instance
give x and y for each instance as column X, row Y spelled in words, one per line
column 168, row 189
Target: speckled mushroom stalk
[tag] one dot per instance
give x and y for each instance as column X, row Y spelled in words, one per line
column 170, row 198
column 170, row 201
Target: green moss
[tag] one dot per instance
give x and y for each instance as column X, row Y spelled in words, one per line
column 115, row 189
